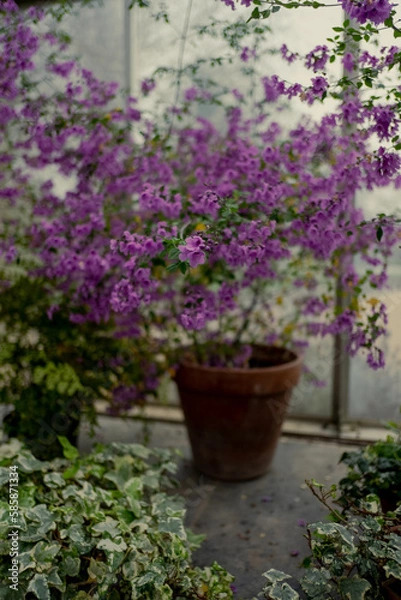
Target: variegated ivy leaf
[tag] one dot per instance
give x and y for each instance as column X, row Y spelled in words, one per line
column 330, row 529
column 282, row 591
column 44, row 552
column 120, row 476
column 155, row 575
column 354, row 589
column 11, row 448
column 54, row 580
column 393, row 568
column 273, row 575
column 174, row 526
column 109, row 526
column 25, row 561
column 315, row 582
column 39, row 587
column 134, row 487
column 4, row 476
column 118, row 545
column 27, row 463
column 97, row 570
column 130, row 569
column 70, row 566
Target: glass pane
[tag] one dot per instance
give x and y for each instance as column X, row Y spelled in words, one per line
column 98, row 38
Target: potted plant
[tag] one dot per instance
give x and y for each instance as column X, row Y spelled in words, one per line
column 215, row 247
column 250, row 224
column 105, row 525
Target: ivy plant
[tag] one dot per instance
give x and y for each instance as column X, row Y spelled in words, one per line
column 354, row 556
column 374, row 469
column 101, row 526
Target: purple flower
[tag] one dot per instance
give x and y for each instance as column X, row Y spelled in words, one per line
column 317, row 59
column 246, row 54
column 387, row 163
column 192, row 321
column 319, row 86
column 63, row 69
column 386, row 122
column 349, row 61
column 147, row 85
column 375, row 359
column 301, row 523
column 287, row 55
column 376, row 11
column 273, row 88
column 123, row 298
column 193, row 251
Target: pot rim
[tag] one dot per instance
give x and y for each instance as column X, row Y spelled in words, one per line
column 297, row 361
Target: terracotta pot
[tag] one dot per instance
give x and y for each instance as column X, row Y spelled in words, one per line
column 389, row 500
column 392, row 589
column 234, row 416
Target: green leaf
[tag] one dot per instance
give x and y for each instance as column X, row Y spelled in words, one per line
column 273, row 575
column 69, row 451
column 27, row 463
column 379, row 233
column 174, row 526
column 110, row 526
column 70, row 566
column 54, row 480
column 54, row 580
column 98, row 570
column 71, row 471
column 316, row 582
column 155, row 576
column 25, row 562
column 355, row 588
column 282, row 591
column 393, row 569
column 43, row 552
column 38, row 586
column 255, row 14
column 134, row 487
column 109, row 546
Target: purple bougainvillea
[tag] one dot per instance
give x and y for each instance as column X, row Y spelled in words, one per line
column 213, row 234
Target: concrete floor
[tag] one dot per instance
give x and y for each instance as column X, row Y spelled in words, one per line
column 250, row 526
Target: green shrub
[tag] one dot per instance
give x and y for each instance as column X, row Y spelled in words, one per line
column 374, row 469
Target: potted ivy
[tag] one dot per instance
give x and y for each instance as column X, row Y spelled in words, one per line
column 216, row 248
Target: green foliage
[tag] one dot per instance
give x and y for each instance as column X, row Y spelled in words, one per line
column 52, row 371
column 358, row 551
column 102, row 526
column 375, row 469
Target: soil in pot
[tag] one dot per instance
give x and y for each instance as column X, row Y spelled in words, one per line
column 234, row 415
